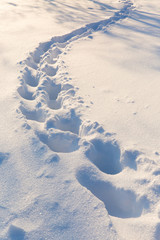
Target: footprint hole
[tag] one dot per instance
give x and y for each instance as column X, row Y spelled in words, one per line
column 105, row 155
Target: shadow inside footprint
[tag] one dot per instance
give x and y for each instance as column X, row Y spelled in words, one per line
column 54, row 104
column 33, row 114
column 29, row 77
column 16, row 233
column 25, row 93
column 157, row 231
column 3, row 157
column 59, row 141
column 53, row 54
column 118, row 202
column 50, row 70
column 65, row 121
column 129, row 158
column 51, row 88
column 105, row 155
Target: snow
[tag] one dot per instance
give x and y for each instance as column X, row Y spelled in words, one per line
column 79, row 156
column 125, row 81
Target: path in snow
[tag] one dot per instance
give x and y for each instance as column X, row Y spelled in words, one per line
column 52, row 107
column 44, row 87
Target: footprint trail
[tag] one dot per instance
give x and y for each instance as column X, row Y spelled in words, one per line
column 46, row 92
column 51, row 107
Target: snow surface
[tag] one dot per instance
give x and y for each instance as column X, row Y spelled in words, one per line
column 79, row 104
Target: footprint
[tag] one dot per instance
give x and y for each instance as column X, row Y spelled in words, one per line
column 119, row 202
column 49, row 91
column 25, row 93
column 30, row 63
column 59, row 141
column 65, row 121
column 51, row 56
column 51, row 88
column 49, row 70
column 16, row 233
column 30, row 77
column 38, row 115
column 156, row 172
column 36, row 55
column 55, row 104
column 3, row 157
column 157, row 232
column 55, row 52
column 129, row 158
column 105, row 154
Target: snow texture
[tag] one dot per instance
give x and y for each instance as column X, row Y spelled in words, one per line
column 70, row 178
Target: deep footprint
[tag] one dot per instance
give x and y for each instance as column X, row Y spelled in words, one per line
column 118, row 202
column 51, row 88
column 3, row 157
column 16, row 233
column 33, row 114
column 29, row 78
column 65, row 121
column 25, row 93
column 105, row 155
column 59, row 141
column 50, row 70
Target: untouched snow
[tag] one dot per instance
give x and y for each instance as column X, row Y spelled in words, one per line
column 117, row 72
column 79, row 103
